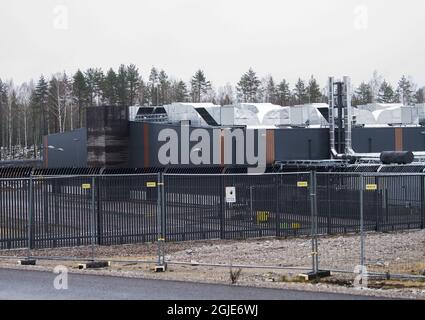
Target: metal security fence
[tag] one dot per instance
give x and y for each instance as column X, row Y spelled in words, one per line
column 49, row 212
column 197, row 206
column 369, row 206
column 389, row 202
column 65, row 211
column 14, row 213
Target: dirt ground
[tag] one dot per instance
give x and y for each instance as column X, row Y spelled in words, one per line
column 281, row 261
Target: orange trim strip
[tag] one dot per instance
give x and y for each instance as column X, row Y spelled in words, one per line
column 398, row 139
column 270, row 149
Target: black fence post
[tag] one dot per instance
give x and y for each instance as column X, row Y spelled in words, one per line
column 159, row 222
column 313, row 222
column 328, row 194
column 30, row 215
column 278, row 206
column 222, row 208
column 376, row 199
column 422, row 202
column 45, row 188
column 99, row 212
column 93, row 219
column 362, row 238
column 163, row 207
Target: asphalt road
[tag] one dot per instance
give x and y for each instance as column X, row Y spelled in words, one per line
column 36, row 285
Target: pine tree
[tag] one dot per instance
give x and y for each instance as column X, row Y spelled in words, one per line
column 313, row 91
column 54, row 103
column 199, row 85
column 122, row 86
column 109, row 88
column 270, row 91
column 142, row 94
column 300, row 92
column 405, row 91
column 42, row 95
column 153, row 92
column 363, row 94
column 133, row 79
column 164, row 88
column 386, row 93
column 284, row 93
column 248, row 87
column 153, row 76
column 94, row 80
column 180, row 92
column 80, row 93
column 420, row 95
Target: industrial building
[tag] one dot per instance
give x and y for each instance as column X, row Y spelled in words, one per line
column 312, row 154
column 302, row 135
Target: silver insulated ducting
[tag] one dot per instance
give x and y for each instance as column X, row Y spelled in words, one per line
column 340, row 101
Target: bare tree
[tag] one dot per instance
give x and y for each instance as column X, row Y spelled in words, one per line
column 24, row 101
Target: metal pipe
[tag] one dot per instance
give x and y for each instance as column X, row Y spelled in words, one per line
column 349, row 152
column 348, row 116
column 92, row 219
column 362, row 260
column 334, row 153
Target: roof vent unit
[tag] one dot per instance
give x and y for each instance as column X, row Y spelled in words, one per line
column 151, row 114
column 199, row 114
column 309, row 114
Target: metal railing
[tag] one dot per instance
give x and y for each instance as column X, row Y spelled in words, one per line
column 69, row 211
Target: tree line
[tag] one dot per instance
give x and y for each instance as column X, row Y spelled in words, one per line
column 57, row 104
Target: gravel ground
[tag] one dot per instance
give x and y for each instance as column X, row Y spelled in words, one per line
column 402, row 252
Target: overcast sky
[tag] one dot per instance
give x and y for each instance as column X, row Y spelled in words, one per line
column 287, row 39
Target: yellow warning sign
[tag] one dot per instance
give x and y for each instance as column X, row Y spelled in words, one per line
column 86, row 186
column 371, row 187
column 151, row 184
column 302, row 184
column 296, row 226
column 262, row 216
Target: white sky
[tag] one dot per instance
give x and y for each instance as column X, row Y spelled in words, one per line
column 287, row 39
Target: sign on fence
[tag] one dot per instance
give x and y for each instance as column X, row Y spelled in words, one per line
column 371, row 187
column 151, row 184
column 86, row 186
column 262, row 216
column 302, row 184
column 230, row 194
